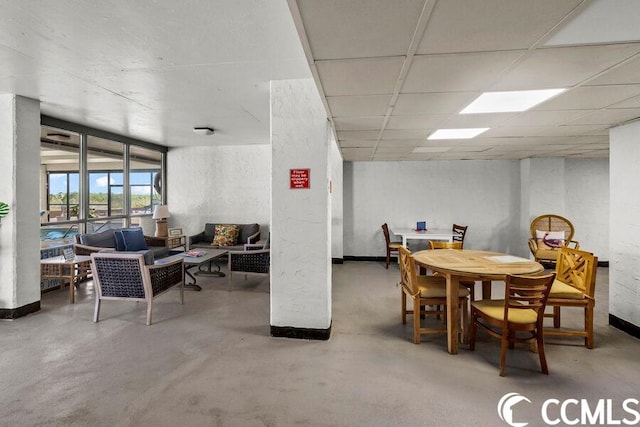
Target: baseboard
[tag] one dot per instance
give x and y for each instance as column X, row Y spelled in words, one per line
column 337, row 261
column 369, row 258
column 603, row 264
column 300, row 333
column 14, row 313
column 624, row 326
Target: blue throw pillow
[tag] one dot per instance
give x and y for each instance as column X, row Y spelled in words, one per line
column 133, row 240
column 119, row 237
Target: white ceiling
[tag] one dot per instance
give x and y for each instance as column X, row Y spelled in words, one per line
column 152, row 70
column 390, row 71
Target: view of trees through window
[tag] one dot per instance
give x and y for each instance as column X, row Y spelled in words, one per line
column 109, row 198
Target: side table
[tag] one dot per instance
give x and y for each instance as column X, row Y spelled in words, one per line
column 71, row 271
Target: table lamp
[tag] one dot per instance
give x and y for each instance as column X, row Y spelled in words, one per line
column 160, row 214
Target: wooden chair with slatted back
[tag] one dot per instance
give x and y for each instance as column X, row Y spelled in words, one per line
column 520, row 312
column 426, row 291
column 575, row 286
column 391, row 246
column 549, row 233
column 459, row 231
column 469, row 284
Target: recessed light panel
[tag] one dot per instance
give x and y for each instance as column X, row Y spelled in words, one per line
column 467, row 133
column 511, row 101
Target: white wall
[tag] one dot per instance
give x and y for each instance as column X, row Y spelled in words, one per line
column 300, row 218
column 337, row 205
column 497, row 200
column 219, row 185
column 19, row 188
column 587, row 203
column 481, row 194
column 624, row 267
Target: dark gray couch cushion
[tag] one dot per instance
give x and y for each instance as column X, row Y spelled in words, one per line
column 103, row 239
column 246, row 231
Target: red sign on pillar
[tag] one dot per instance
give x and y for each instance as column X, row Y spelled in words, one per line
column 299, row 178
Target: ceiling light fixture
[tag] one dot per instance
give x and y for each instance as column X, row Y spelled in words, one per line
column 511, row 101
column 203, row 131
column 467, row 133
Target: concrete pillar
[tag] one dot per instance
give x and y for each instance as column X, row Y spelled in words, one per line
column 19, row 187
column 624, row 228
column 300, row 218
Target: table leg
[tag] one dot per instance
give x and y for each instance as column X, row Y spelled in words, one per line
column 209, row 272
column 452, row 313
column 190, row 286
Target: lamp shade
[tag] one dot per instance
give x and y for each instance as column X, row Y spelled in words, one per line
column 161, row 212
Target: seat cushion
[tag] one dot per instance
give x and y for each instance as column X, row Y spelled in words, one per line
column 246, row 231
column 562, row 290
column 494, row 309
column 394, row 245
column 435, row 287
column 548, row 254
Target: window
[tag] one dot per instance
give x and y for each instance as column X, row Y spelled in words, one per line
column 87, row 183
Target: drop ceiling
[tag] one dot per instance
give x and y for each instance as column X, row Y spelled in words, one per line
column 393, row 72
column 390, row 72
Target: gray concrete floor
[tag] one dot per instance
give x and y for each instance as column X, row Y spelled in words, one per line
column 211, row 362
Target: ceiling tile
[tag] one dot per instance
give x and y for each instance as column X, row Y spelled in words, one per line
column 590, row 97
column 358, row 123
column 340, row 29
column 626, row 73
column 358, row 106
column 543, row 118
column 358, row 134
column 433, row 103
column 564, row 66
column 457, row 73
column 354, row 143
column 608, row 117
column 467, row 26
column 392, row 134
column 413, row 122
column 359, row 76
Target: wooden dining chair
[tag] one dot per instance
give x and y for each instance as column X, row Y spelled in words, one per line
column 575, row 286
column 390, row 246
column 469, row 284
column 459, row 231
column 521, row 311
column 426, row 291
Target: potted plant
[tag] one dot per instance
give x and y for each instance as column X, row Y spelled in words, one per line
column 4, row 210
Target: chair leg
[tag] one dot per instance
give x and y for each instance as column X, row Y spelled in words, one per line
column 474, row 328
column 149, row 308
column 543, row 358
column 556, row 316
column 403, row 298
column 505, row 341
column 388, row 258
column 588, row 325
column 464, row 328
column 416, row 321
column 96, row 311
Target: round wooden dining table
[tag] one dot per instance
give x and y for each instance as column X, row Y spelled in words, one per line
column 469, row 264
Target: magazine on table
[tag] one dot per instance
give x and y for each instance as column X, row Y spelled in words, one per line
column 194, row 253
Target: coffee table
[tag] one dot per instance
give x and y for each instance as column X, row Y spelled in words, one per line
column 59, row 268
column 208, row 259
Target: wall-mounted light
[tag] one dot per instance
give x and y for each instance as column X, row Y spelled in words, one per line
column 203, row 131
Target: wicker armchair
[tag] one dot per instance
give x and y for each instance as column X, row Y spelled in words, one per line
column 254, row 260
column 120, row 276
column 549, row 233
